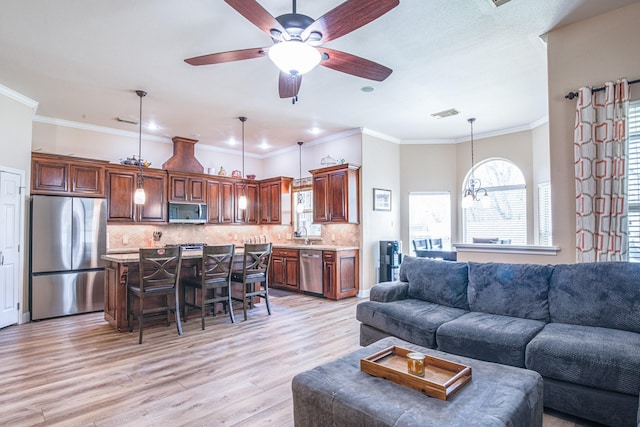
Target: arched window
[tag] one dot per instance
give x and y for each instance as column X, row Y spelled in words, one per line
column 502, row 216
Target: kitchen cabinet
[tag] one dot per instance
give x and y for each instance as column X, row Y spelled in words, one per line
column 251, row 214
column 187, row 188
column 285, row 269
column 68, row 176
column 121, row 185
column 340, row 273
column 275, row 201
column 220, row 201
column 336, row 197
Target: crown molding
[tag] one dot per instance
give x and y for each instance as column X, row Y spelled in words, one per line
column 16, row 96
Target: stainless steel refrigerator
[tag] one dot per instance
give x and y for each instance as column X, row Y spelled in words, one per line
column 68, row 238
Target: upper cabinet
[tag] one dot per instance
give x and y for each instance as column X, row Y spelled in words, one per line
column 336, row 194
column 187, row 188
column 69, row 176
column 275, row 201
column 251, row 213
column 121, row 185
column 220, row 199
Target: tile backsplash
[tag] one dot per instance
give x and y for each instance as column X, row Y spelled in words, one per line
column 137, row 236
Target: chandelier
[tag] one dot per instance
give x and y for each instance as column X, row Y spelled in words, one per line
column 474, row 190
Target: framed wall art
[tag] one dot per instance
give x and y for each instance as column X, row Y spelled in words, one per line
column 381, row 199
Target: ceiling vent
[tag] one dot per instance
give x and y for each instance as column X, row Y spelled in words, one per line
column 498, row 3
column 446, row 113
column 127, row 120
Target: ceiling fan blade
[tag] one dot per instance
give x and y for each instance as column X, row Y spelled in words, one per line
column 347, row 17
column 257, row 15
column 233, row 55
column 289, row 85
column 354, row 65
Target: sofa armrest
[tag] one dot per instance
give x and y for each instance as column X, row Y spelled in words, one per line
column 389, row 291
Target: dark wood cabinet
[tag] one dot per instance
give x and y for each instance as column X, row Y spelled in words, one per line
column 251, row 214
column 220, row 198
column 275, row 201
column 285, row 269
column 335, row 194
column 185, row 188
column 65, row 175
column 121, row 185
column 340, row 273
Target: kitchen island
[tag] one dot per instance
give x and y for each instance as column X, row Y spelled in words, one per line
column 339, row 274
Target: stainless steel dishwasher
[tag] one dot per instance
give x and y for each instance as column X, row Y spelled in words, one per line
column 311, row 271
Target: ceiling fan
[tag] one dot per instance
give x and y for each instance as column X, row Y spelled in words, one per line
column 298, row 38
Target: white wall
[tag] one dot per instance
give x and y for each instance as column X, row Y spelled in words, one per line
column 16, row 112
column 427, row 168
column 95, row 144
column 381, row 160
column 587, row 53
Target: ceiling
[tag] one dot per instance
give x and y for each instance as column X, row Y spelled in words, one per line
column 82, row 61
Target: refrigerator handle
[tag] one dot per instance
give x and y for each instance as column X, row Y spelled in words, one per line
column 1, row 258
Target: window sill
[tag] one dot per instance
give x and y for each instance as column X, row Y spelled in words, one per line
column 507, row 249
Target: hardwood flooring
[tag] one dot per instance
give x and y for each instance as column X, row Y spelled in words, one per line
column 77, row 371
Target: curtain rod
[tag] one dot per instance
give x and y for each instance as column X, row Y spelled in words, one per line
column 572, row 95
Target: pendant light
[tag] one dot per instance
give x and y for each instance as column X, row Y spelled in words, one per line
column 139, row 197
column 242, row 201
column 474, row 190
column 300, row 205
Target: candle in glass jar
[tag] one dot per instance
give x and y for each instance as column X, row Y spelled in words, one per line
column 415, row 363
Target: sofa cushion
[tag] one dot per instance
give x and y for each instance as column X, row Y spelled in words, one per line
column 437, row 281
column 517, row 290
column 413, row 320
column 597, row 357
column 604, row 294
column 489, row 337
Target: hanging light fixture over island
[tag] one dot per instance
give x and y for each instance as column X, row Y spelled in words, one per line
column 139, row 197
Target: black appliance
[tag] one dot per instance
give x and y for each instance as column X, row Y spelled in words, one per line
column 390, row 259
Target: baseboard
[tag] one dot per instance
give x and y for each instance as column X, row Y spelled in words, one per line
column 364, row 293
column 26, row 318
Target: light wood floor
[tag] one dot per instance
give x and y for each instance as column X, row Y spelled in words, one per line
column 77, row 371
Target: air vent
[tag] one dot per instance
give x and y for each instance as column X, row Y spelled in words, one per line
column 498, row 3
column 446, row 113
column 127, row 120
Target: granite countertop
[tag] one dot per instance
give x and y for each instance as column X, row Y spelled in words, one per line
column 125, row 255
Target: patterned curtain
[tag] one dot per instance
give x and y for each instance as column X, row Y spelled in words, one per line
column 600, row 150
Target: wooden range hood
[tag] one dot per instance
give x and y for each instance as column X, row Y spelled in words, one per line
column 184, row 159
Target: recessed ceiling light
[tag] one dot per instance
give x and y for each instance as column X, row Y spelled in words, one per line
column 152, row 126
column 367, row 89
column 315, row 130
column 446, row 113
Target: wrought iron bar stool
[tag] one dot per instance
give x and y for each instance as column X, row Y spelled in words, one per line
column 213, row 283
column 159, row 277
column 254, row 276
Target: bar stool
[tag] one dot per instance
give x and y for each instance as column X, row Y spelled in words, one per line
column 255, row 269
column 159, row 276
column 214, row 276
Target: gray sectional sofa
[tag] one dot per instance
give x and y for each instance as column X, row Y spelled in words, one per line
column 578, row 325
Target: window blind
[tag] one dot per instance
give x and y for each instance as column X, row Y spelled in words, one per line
column 633, row 182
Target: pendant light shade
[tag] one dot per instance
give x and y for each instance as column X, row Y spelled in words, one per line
column 242, row 201
column 139, row 197
column 300, row 205
column 474, row 190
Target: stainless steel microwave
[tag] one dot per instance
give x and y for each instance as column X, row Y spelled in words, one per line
column 187, row 213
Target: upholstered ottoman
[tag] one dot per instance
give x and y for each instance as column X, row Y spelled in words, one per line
column 339, row 394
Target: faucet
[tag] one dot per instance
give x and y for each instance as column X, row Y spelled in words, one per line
column 306, row 234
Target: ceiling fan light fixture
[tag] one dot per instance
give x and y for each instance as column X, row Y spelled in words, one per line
column 294, row 57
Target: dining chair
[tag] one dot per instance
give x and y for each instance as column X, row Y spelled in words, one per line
column 255, row 272
column 213, row 283
column 158, row 279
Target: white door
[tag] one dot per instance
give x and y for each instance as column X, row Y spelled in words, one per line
column 10, row 250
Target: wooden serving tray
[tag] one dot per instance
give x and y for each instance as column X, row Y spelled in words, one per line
column 442, row 378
